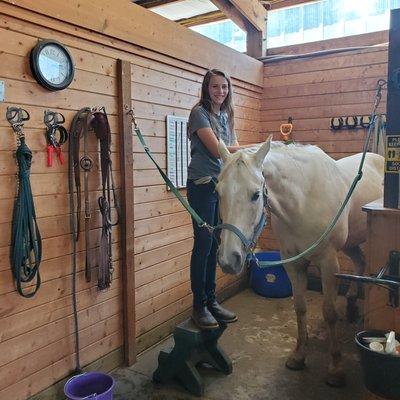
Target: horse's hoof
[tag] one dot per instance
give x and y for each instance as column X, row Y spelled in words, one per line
column 352, row 313
column 295, row 364
column 337, row 379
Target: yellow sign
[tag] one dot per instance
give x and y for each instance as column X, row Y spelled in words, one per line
column 392, row 156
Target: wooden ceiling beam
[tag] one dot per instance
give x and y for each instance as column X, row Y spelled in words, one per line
column 231, row 12
column 276, row 4
column 253, row 11
column 202, row 19
column 153, row 3
column 250, row 16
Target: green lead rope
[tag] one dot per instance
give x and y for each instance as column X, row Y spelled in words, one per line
column 26, row 242
column 174, row 190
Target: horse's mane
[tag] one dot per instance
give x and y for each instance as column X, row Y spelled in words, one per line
column 294, row 151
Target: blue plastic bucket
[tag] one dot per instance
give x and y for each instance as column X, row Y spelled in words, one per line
column 90, row 386
column 270, row 281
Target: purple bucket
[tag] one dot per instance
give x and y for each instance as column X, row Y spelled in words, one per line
column 90, row 386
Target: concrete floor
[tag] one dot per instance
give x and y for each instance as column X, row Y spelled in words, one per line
column 258, row 345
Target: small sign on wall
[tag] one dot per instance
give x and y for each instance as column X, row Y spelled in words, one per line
column 178, row 150
column 392, row 156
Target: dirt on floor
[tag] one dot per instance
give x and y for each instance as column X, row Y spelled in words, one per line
column 258, row 345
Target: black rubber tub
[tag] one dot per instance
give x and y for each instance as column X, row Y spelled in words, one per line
column 381, row 371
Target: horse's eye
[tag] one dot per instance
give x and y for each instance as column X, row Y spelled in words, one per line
column 255, row 196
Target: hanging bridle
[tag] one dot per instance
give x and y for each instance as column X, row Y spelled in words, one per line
column 85, row 121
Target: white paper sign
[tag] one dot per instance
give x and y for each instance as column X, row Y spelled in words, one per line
column 178, row 150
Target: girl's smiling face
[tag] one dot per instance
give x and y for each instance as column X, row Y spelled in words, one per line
column 218, row 89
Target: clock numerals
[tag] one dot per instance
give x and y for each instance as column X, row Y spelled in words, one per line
column 52, row 65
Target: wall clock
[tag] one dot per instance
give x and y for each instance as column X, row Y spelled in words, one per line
column 52, row 65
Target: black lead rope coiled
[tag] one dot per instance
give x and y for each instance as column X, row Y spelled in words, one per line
column 26, row 242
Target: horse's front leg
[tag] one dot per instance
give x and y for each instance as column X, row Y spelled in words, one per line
column 329, row 264
column 298, row 276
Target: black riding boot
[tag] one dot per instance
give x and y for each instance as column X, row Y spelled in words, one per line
column 203, row 318
column 220, row 313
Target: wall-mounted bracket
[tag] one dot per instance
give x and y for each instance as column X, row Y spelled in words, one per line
column 388, row 277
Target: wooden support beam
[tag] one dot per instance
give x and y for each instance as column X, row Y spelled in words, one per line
column 256, row 43
column 253, row 12
column 250, row 16
column 127, row 217
column 153, row 3
column 392, row 174
column 202, row 19
column 276, row 4
column 231, row 12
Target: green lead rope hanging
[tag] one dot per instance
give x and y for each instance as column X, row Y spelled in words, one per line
column 26, row 242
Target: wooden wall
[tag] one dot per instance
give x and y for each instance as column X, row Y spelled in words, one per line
column 163, row 229
column 36, row 335
column 315, row 89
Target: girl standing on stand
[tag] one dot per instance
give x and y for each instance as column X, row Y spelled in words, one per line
column 211, row 119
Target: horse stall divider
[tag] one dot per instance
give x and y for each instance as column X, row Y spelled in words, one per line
column 127, row 211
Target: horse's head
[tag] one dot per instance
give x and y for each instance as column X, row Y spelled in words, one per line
column 241, row 200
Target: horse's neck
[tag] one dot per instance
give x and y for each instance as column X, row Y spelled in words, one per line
column 291, row 176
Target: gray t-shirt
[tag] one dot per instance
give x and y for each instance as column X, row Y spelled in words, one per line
column 203, row 163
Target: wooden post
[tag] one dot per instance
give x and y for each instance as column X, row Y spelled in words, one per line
column 127, row 215
column 383, row 236
column 250, row 16
column 392, row 157
column 256, row 44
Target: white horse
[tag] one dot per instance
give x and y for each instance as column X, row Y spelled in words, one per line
column 305, row 189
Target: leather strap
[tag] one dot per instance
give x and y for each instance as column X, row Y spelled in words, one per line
column 79, row 129
column 85, row 121
column 102, row 129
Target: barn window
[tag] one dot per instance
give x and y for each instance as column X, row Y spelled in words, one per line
column 203, row 17
column 225, row 32
column 327, row 19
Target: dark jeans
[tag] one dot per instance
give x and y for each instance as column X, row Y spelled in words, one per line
column 204, row 200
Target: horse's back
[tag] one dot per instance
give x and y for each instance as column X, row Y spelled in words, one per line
column 368, row 189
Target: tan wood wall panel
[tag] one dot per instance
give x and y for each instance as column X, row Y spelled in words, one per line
column 156, row 93
column 160, row 35
column 161, row 85
column 312, row 91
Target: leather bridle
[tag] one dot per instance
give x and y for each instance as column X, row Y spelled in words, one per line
column 87, row 120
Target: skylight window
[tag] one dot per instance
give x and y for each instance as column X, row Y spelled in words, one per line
column 327, row 19
column 225, row 32
column 184, row 9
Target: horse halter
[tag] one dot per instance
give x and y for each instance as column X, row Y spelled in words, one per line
column 248, row 244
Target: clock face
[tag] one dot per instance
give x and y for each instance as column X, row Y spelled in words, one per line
column 52, row 65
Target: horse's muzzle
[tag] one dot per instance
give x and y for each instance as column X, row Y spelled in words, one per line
column 231, row 263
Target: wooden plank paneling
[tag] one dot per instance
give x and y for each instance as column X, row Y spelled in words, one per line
column 45, row 322
column 383, row 237
column 125, row 20
column 312, row 91
column 160, row 230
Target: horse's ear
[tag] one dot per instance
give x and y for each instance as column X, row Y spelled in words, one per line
column 263, row 151
column 223, row 151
